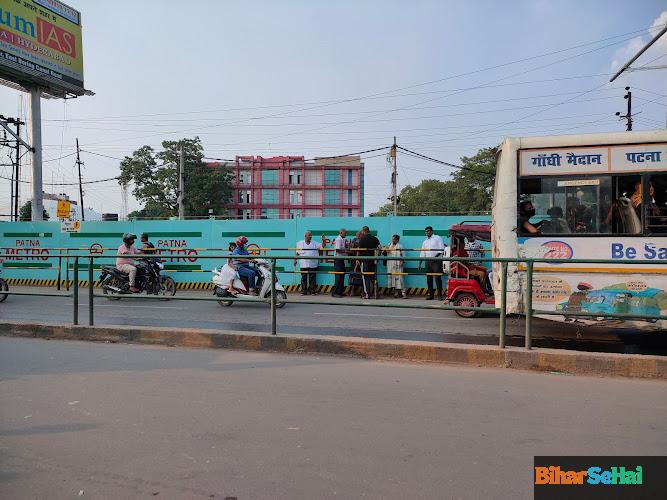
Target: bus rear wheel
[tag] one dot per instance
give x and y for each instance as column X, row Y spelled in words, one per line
column 466, row 300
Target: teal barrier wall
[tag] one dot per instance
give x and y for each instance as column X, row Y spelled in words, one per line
column 31, row 245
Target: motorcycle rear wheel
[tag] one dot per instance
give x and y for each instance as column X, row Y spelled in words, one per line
column 111, row 294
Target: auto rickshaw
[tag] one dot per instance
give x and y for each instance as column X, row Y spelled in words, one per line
column 468, row 284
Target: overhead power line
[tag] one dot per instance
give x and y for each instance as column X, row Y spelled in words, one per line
column 428, row 158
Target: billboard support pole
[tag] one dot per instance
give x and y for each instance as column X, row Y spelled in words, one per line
column 36, row 153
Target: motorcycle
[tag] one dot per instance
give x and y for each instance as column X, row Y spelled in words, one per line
column 263, row 285
column 116, row 283
column 3, row 288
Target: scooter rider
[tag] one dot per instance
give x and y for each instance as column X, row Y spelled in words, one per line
column 243, row 265
column 126, row 264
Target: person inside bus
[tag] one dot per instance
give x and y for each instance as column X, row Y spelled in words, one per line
column 637, row 198
column 579, row 216
column 656, row 218
column 526, row 212
column 557, row 223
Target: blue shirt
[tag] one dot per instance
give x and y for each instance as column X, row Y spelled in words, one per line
column 240, row 251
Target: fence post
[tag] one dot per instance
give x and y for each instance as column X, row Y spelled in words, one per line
column 503, row 303
column 60, row 263
column 91, row 283
column 273, row 297
column 529, row 304
column 75, row 318
column 67, row 270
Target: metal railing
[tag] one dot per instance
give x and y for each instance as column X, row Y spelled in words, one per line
column 529, row 264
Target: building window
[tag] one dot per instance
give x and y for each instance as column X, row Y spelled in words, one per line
column 295, row 197
column 269, row 213
column 244, row 196
column 313, row 212
column 349, row 177
column 244, row 176
column 295, row 177
column 270, row 196
column 349, row 212
column 332, row 177
column 313, row 197
column 331, row 212
column 294, row 213
column 269, row 177
column 331, row 197
column 313, row 177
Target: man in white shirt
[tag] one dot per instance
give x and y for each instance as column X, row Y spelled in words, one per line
column 308, row 248
column 340, row 245
column 433, row 246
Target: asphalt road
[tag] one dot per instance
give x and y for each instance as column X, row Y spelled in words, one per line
column 117, row 421
column 357, row 321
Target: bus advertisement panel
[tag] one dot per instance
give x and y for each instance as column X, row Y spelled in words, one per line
column 41, row 45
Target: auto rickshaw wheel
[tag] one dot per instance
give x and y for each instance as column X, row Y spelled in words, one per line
column 466, row 300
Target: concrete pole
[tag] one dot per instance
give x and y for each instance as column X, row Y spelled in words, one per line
column 36, row 153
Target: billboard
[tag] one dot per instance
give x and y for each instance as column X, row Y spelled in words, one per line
column 40, row 45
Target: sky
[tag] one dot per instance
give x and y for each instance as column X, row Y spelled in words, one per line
column 318, row 78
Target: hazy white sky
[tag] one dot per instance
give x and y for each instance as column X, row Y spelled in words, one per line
column 320, row 78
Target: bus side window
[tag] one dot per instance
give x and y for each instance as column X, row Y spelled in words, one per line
column 655, row 204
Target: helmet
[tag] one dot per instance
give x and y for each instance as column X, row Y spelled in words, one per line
column 128, row 238
column 241, row 240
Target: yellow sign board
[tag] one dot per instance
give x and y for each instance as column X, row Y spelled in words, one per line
column 64, row 208
column 40, row 43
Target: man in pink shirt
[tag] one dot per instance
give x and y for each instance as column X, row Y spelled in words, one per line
column 126, row 264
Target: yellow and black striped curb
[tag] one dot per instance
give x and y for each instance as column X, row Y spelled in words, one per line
column 545, row 360
column 199, row 286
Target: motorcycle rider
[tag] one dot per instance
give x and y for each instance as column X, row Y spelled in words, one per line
column 243, row 265
column 126, row 264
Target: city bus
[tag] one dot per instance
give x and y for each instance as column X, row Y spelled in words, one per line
column 589, row 196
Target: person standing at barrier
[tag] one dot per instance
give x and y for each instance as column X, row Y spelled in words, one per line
column 433, row 246
column 308, row 248
column 355, row 279
column 395, row 280
column 340, row 245
column 369, row 245
column 126, row 264
column 243, row 265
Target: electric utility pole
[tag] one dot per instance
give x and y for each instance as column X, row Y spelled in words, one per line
column 16, row 163
column 78, row 164
column 394, row 194
column 17, row 169
column 628, row 115
column 181, row 194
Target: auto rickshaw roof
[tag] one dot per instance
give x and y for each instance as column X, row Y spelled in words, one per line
column 470, row 228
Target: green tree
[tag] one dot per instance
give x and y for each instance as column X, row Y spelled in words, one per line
column 469, row 190
column 25, row 212
column 155, row 179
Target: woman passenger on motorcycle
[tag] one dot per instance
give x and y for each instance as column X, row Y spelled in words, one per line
column 243, row 265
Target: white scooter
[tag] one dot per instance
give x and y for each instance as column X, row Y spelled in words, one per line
column 263, row 284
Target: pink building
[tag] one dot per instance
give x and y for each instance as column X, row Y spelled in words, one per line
column 285, row 187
